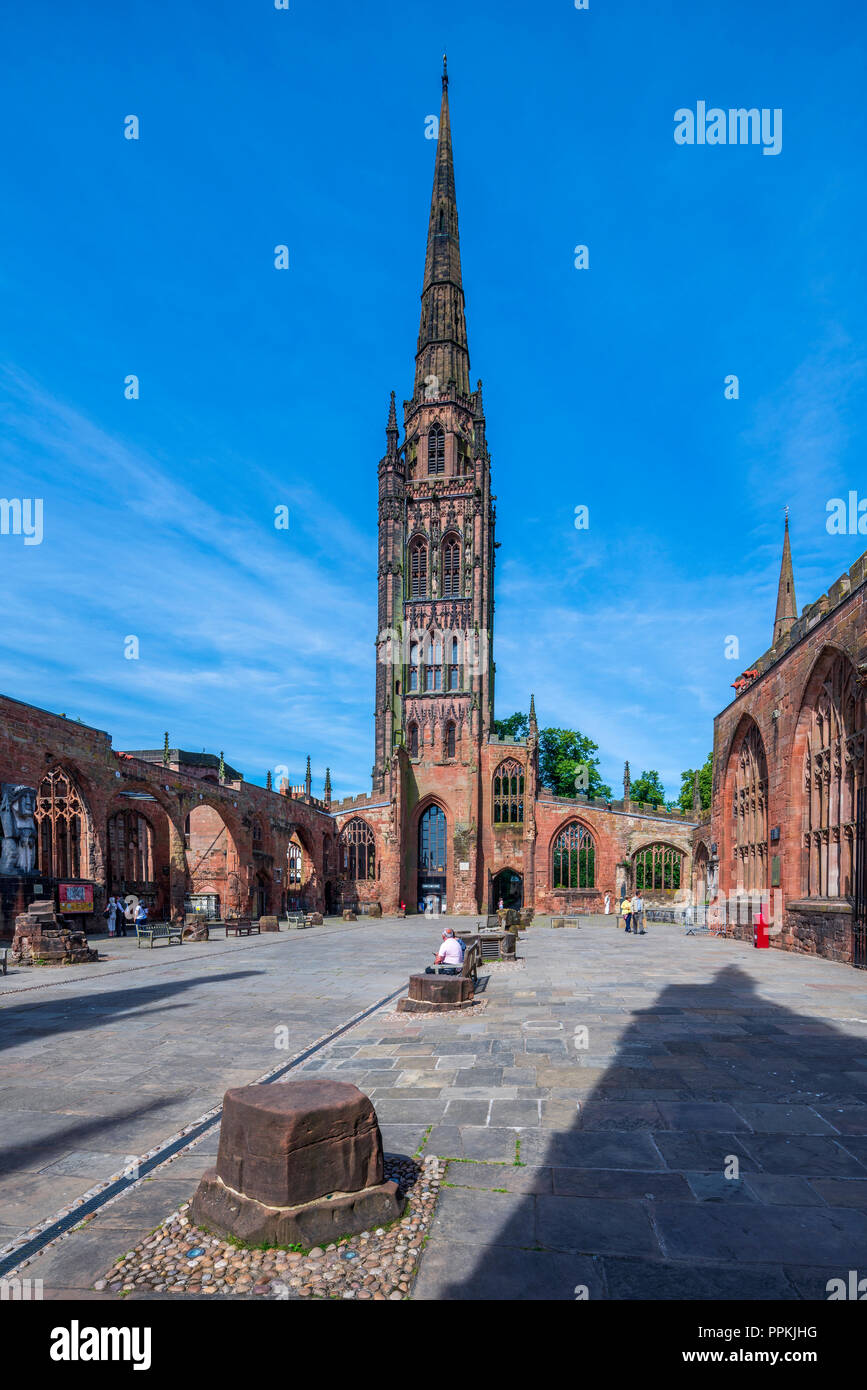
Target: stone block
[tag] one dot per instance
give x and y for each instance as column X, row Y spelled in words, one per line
column 268, row 924
column 437, row 993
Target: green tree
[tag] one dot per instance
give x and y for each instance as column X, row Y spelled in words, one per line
column 563, row 753
column 705, row 785
column 516, row 726
column 648, row 788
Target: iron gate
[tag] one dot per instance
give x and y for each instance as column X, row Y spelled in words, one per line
column 859, row 916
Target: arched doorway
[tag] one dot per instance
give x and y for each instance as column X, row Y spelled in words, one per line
column 432, row 860
column 213, row 866
column 508, row 888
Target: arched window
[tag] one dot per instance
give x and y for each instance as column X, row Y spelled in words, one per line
column 436, row 449
column 509, row 793
column 451, row 735
column 574, row 858
column 130, row 853
column 256, row 833
column 432, row 841
column 454, row 671
column 451, row 570
column 433, row 671
column 414, row 659
column 294, row 869
column 833, row 774
column 61, row 821
column 750, row 813
column 418, row 569
column 658, row 867
column 412, row 740
column 357, row 850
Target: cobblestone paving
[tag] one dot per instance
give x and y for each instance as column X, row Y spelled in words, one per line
column 577, row 1165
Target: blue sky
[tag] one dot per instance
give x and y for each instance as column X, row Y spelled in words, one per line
column 259, row 387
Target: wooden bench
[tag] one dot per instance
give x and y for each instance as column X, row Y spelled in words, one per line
column 470, row 968
column 243, row 926
column 158, row 931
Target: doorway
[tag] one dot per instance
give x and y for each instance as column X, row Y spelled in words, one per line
column 508, row 887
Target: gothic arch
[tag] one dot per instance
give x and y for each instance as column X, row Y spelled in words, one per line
column 572, row 855
column 827, row 771
column 507, row 805
column 745, row 810
column 357, row 851
column 63, row 823
column 657, row 866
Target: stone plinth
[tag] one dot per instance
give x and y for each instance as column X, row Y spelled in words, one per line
column 525, row 917
column 196, row 930
column 268, row 924
column 299, row 1162
column 375, row 910
column 43, row 938
column 436, row 994
column 349, row 915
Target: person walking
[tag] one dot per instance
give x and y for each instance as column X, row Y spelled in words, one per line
column 141, row 915
column 126, row 918
column 638, row 914
column 626, row 911
column 111, row 914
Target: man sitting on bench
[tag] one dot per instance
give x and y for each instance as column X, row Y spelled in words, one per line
column 450, row 957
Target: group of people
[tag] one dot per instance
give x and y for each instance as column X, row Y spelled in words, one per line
column 631, row 913
column 120, row 915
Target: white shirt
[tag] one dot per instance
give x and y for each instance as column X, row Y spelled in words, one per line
column 451, row 952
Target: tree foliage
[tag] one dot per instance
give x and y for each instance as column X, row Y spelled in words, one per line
column 516, row 726
column 562, row 753
column 705, row 784
column 648, row 788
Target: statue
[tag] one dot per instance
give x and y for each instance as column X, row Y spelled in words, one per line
column 18, row 852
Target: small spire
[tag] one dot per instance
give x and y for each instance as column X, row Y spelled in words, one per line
column 327, row 794
column 696, row 793
column 268, row 786
column 627, row 783
column 391, row 430
column 308, row 780
column 787, row 608
column 532, row 712
column 222, row 772
column 166, row 757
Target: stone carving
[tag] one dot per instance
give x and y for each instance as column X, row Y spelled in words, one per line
column 18, row 853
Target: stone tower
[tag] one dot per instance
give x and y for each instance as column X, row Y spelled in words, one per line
column 434, row 680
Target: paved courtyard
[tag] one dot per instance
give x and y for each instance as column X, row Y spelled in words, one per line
column 655, row 1117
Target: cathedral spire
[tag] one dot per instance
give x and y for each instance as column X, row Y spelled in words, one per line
column 787, row 608
column 442, row 359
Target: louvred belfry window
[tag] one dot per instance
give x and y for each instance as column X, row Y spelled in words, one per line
column 61, row 819
column 418, row 569
column 450, row 739
column 436, row 449
column 451, row 585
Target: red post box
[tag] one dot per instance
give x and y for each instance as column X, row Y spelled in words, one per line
column 761, row 940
